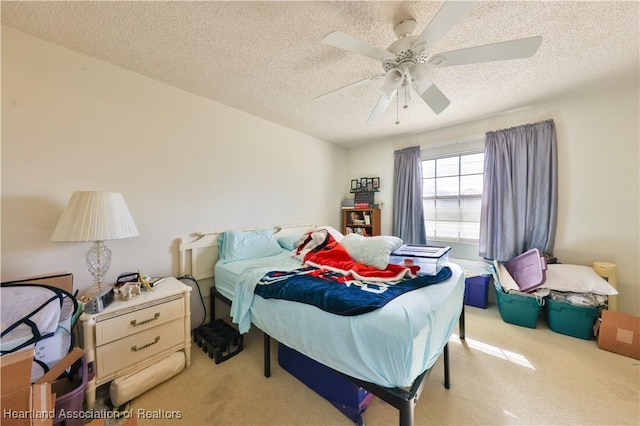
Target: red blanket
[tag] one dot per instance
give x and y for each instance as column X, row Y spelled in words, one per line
column 321, row 250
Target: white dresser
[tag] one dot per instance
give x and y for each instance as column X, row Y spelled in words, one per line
column 129, row 336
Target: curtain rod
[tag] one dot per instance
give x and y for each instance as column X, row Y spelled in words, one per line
column 550, row 120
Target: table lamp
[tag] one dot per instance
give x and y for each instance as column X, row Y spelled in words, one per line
column 95, row 216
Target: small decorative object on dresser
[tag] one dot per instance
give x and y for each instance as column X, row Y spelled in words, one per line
column 131, row 335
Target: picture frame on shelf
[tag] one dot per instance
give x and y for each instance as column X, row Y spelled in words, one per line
column 363, row 182
column 375, row 183
column 354, row 183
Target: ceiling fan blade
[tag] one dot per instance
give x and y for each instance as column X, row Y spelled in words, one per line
column 380, row 108
column 449, row 14
column 513, row 49
column 422, row 77
column 346, row 42
column 436, row 100
column 354, row 84
column 392, row 82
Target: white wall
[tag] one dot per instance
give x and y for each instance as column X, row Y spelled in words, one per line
column 598, row 158
column 183, row 163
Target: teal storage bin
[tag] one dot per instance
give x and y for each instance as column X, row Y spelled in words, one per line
column 576, row 321
column 519, row 310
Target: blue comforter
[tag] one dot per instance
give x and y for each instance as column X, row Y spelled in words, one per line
column 337, row 294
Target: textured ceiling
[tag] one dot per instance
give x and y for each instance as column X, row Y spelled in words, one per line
column 266, row 58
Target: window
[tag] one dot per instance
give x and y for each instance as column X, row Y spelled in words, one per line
column 452, row 197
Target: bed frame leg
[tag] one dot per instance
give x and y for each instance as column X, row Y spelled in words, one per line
column 461, row 326
column 406, row 412
column 447, row 376
column 267, row 355
column 212, row 299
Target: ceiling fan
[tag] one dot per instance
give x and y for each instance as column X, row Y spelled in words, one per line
column 408, row 63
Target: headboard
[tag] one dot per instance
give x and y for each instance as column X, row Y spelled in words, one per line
column 198, row 257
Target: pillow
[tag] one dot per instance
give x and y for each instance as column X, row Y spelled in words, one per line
column 220, row 243
column 371, row 251
column 337, row 235
column 577, row 279
column 243, row 245
column 288, row 242
column 288, row 236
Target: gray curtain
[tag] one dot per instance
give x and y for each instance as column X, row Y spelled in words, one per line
column 408, row 213
column 520, row 198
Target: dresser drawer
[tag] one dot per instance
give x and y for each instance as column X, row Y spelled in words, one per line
column 126, row 352
column 135, row 322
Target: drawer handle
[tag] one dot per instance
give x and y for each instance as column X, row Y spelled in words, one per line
column 136, row 348
column 135, row 323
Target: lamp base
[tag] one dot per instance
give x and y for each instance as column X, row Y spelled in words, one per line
column 98, row 259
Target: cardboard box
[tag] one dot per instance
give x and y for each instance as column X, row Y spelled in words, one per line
column 19, row 397
column 42, row 404
column 15, row 376
column 61, row 366
column 60, row 280
column 619, row 333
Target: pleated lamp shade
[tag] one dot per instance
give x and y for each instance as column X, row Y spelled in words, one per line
column 95, row 216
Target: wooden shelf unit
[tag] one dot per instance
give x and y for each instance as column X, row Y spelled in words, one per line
column 365, row 222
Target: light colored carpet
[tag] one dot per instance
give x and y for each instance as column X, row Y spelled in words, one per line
column 501, row 374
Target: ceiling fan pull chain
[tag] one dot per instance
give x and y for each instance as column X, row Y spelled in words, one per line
column 406, row 97
column 397, row 107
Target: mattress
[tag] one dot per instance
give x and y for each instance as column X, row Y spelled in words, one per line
column 47, row 314
column 227, row 275
column 390, row 346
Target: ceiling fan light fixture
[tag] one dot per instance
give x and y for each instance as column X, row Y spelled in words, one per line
column 392, row 81
column 394, row 76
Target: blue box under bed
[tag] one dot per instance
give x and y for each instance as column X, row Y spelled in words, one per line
column 346, row 396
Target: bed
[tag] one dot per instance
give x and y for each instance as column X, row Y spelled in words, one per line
column 388, row 351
